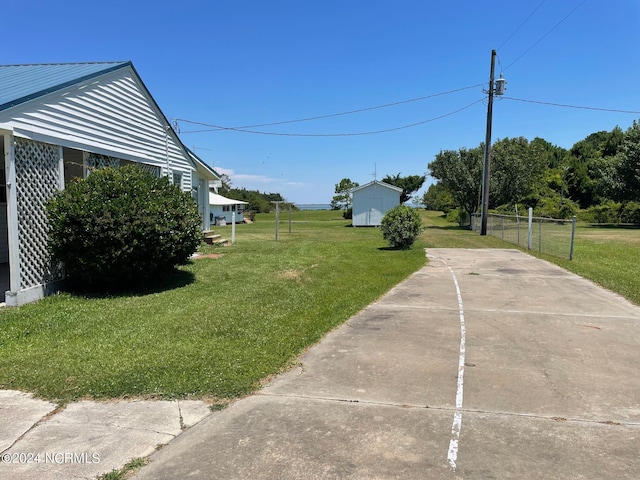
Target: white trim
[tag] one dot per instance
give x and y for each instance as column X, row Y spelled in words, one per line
column 32, row 294
column 12, row 214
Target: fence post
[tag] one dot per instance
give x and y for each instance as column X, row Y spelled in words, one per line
column 530, row 237
column 573, row 236
column 540, row 242
column 233, row 228
column 502, row 228
column 277, row 218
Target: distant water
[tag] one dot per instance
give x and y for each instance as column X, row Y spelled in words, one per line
column 327, row 206
column 313, row 206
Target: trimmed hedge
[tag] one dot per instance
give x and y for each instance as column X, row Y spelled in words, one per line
column 120, row 226
column 401, row 226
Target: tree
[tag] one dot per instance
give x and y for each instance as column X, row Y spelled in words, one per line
column 258, row 201
column 409, row 184
column 226, row 183
column 630, row 163
column 517, row 166
column 460, row 172
column 343, row 198
column 437, row 197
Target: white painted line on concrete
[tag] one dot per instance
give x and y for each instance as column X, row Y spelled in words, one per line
column 452, row 454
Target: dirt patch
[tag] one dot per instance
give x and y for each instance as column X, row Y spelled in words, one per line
column 292, row 275
column 208, row 255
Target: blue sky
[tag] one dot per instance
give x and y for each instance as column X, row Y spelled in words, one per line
column 241, row 62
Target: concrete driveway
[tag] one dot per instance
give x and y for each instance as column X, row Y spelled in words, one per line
column 485, row 364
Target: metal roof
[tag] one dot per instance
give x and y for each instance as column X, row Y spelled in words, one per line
column 21, row 83
column 377, row 182
column 215, row 199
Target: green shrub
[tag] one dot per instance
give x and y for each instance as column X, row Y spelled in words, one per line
column 348, row 213
column 401, row 226
column 120, row 226
column 631, row 213
column 458, row 216
column 607, row 212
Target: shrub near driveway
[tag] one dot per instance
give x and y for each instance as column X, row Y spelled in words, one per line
column 246, row 316
column 401, row 226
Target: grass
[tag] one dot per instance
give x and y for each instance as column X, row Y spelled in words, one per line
column 124, row 472
column 609, row 257
column 217, row 328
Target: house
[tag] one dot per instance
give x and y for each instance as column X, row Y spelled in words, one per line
column 57, row 121
column 372, row 201
column 223, row 208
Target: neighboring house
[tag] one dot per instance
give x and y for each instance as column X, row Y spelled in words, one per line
column 58, row 121
column 371, row 201
column 224, row 208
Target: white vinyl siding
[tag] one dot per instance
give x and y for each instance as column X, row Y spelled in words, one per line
column 111, row 115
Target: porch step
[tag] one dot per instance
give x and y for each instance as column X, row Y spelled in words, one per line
column 211, row 238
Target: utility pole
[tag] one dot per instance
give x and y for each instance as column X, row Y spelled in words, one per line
column 487, row 150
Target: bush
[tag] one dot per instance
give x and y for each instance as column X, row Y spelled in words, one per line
column 401, row 226
column 607, row 212
column 120, row 226
column 631, row 213
column 458, row 216
column 348, row 213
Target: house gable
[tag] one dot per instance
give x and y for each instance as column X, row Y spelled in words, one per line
column 108, row 112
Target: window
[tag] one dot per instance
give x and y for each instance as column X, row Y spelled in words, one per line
column 177, row 179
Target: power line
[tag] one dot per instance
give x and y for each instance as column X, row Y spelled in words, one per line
column 564, row 105
column 217, row 127
column 353, row 134
column 521, row 25
column 546, row 34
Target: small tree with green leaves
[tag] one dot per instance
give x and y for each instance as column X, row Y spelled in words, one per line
column 120, row 226
column 401, row 226
column 343, row 198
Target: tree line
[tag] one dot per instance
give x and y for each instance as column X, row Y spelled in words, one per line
column 259, row 202
column 598, row 178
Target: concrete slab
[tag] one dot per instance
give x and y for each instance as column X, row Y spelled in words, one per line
column 19, row 412
column 282, row 437
column 385, row 354
column 554, row 365
column 522, row 447
column 549, row 375
column 87, row 439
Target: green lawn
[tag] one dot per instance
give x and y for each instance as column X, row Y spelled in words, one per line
column 218, row 327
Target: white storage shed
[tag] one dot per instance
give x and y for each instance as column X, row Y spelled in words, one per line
column 372, row 201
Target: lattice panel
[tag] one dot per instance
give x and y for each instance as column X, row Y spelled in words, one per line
column 152, row 169
column 95, row 160
column 37, row 180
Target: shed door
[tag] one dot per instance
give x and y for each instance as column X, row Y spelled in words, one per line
column 375, row 211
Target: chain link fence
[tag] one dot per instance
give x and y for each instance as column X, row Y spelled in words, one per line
column 546, row 235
